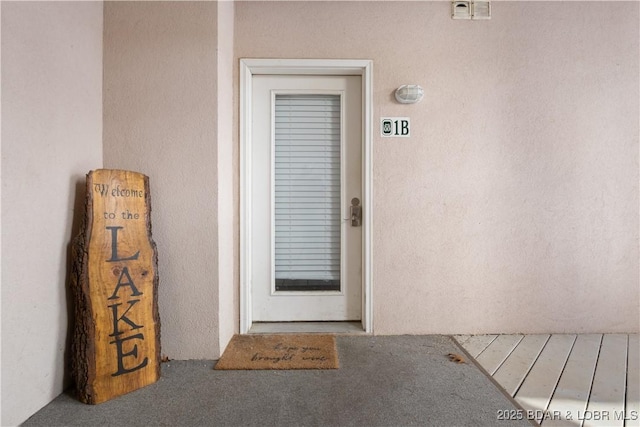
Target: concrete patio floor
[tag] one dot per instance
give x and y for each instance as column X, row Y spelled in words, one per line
column 382, row 381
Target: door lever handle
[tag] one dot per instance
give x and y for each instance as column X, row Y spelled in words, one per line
column 356, row 212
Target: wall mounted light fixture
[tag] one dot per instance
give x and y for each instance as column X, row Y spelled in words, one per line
column 409, row 94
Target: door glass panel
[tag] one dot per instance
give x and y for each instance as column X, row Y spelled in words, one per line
column 307, row 192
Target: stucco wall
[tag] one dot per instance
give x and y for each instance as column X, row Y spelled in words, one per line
column 513, row 207
column 228, row 265
column 51, row 137
column 160, row 118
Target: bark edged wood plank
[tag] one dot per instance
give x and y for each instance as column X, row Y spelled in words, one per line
column 114, row 283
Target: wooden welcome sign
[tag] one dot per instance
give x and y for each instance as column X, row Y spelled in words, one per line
column 116, row 342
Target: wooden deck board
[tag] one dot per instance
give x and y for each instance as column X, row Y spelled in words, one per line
column 538, row 387
column 514, row 370
column 593, row 378
column 477, row 343
column 609, row 383
column 633, row 383
column 497, row 352
column 572, row 392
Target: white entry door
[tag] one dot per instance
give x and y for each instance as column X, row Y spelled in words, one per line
column 306, row 193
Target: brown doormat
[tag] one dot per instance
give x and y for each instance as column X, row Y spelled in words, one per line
column 286, row 351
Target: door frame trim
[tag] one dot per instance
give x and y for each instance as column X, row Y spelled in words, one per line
column 251, row 67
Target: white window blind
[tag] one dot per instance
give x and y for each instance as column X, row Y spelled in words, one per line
column 307, row 192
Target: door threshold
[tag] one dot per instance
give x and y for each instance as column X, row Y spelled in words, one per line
column 307, row 327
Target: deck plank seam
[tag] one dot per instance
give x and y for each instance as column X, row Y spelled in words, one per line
column 557, row 381
column 535, row 360
column 564, row 366
column 626, row 384
column 508, row 355
column 485, row 348
column 593, row 377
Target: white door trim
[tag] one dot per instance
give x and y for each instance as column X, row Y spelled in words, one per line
column 249, row 67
